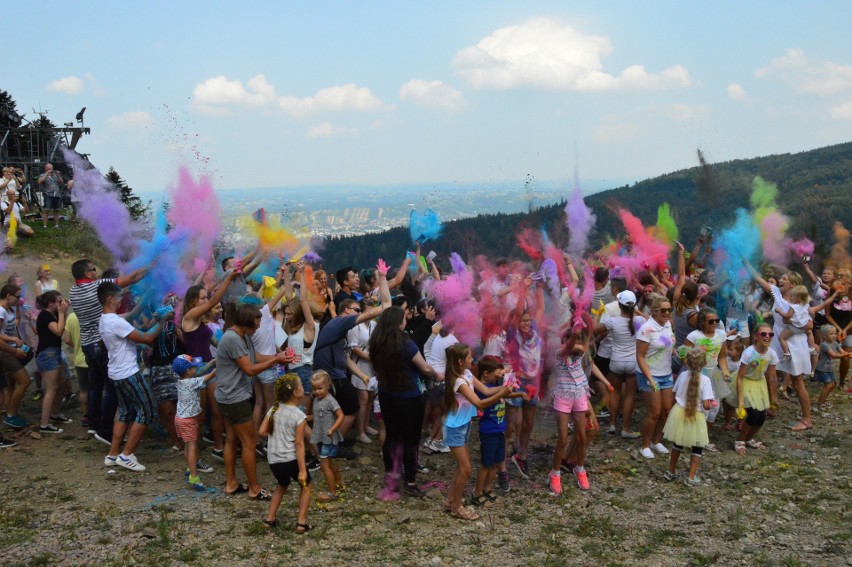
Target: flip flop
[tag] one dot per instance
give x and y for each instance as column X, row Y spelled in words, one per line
column 801, row 426
column 240, row 489
column 263, row 495
column 302, row 528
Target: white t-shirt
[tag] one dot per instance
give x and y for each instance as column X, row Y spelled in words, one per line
column 263, row 338
column 16, row 210
column 359, row 337
column 757, row 363
column 465, row 410
column 282, row 442
column 122, row 352
column 660, row 339
column 436, row 353
column 681, row 385
column 623, row 342
column 10, row 324
column 801, row 316
column 611, row 309
column 711, row 345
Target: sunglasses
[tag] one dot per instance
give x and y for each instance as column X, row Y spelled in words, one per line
column 355, row 309
column 713, row 321
column 664, row 310
column 765, row 335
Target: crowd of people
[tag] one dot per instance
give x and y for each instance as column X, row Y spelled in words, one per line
column 52, row 196
column 298, row 368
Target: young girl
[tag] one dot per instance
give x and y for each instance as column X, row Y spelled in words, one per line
column 571, row 401
column 460, row 405
column 754, row 396
column 686, row 426
column 798, row 319
column 735, row 353
column 45, row 280
column 327, row 419
column 284, row 425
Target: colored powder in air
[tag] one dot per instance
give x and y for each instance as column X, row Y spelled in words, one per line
column 99, row 203
column 763, row 194
column 271, row 235
column 666, row 226
column 776, row 248
column 802, row 247
column 530, row 243
column 580, row 221
column 194, row 207
column 840, row 249
column 732, row 244
column 646, row 250
column 424, row 226
column 453, row 296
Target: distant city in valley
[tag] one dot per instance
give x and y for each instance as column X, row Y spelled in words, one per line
column 325, row 211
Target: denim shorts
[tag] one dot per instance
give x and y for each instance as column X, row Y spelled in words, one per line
column 327, row 450
column 824, row 377
column 52, row 203
column 304, row 373
column 664, row 382
column 456, row 436
column 49, row 359
column 268, row 376
column 518, row 402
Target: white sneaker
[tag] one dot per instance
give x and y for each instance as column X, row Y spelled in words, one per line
column 371, row 431
column 364, row 439
column 109, row 461
column 646, row 452
column 130, row 463
column 428, row 445
column 660, row 448
column 439, row 447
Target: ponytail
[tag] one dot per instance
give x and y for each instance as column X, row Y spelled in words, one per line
column 285, row 389
column 695, row 361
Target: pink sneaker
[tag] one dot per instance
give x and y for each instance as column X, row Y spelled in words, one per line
column 582, row 478
column 556, row 482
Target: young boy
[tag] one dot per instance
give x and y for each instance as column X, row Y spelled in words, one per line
column 829, row 350
column 137, row 406
column 188, row 410
column 492, row 432
column 327, row 419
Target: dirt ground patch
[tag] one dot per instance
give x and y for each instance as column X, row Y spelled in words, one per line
column 786, row 505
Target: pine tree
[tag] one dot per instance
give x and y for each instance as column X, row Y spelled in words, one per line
column 9, row 117
column 134, row 204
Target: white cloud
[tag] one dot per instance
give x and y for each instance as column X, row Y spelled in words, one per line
column 842, row 111
column 736, row 92
column 688, row 112
column 67, row 85
column 327, row 130
column 433, row 94
column 334, row 99
column 131, row 119
column 217, row 94
column 821, row 78
column 548, row 54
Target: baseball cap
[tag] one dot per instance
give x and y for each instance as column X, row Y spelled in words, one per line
column 184, row 362
column 626, row 298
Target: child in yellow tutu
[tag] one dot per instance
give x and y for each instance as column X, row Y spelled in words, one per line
column 754, row 394
column 686, row 425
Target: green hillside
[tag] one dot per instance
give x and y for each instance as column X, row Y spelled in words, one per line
column 815, row 189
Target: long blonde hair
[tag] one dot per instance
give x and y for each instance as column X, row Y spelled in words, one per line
column 695, row 361
column 456, row 355
column 285, row 390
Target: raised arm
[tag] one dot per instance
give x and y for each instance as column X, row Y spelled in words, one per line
column 384, row 295
column 398, row 278
column 681, row 274
column 199, row 310
column 132, row 278
column 767, row 287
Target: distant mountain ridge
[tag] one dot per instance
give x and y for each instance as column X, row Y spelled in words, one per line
column 814, row 190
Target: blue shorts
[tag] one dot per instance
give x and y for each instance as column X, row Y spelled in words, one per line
column 327, row 450
column 304, row 373
column 49, row 359
column 518, row 402
column 664, row 382
column 457, row 436
column 268, row 376
column 492, row 448
column 52, row 203
column 824, row 377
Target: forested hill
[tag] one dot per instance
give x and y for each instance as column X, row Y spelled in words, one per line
column 815, row 189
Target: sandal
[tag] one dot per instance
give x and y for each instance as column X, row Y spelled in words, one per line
column 327, row 497
column 270, row 523
column 447, row 508
column 783, row 393
column 492, row 497
column 261, row 496
column 240, row 489
column 480, row 500
column 752, row 444
column 463, row 513
column 801, row 426
column 740, row 447
column 302, row 528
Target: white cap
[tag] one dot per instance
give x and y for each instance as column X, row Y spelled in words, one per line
column 627, row 298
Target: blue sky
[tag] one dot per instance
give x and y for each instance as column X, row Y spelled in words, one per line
column 264, row 94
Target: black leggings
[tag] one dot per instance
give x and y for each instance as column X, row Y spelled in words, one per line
column 755, row 418
column 403, row 419
column 696, row 451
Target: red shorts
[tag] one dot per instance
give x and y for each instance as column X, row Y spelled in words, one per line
column 187, row 428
